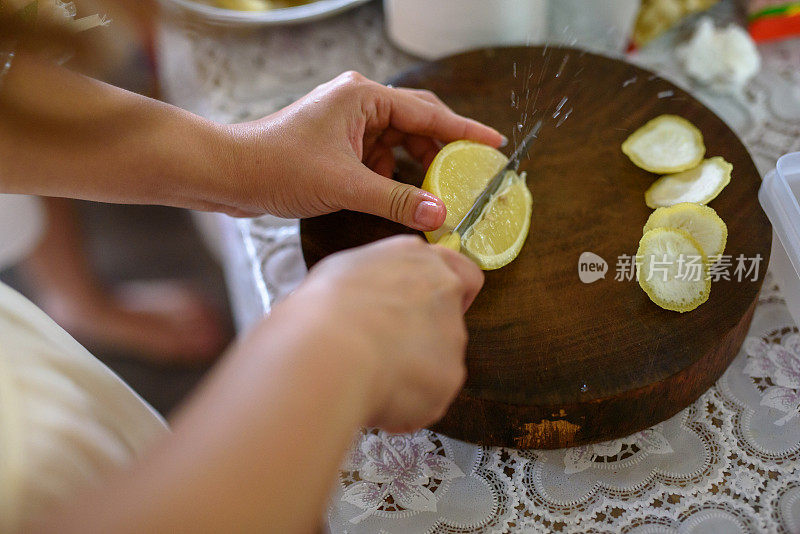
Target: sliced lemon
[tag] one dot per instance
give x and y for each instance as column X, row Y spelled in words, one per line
column 672, row 269
column 702, row 223
column 496, row 238
column 665, row 144
column 457, row 175
column 243, row 5
column 699, row 185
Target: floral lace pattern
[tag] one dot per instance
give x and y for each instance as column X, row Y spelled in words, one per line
column 775, row 369
column 397, row 472
column 728, row 463
column 619, row 451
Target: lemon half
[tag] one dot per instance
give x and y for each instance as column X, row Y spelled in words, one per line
column 498, row 235
column 457, row 175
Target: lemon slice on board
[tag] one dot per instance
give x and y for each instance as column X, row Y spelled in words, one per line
column 457, row 175
column 701, row 222
column 496, row 238
column 699, row 185
column 672, row 269
column 665, row 144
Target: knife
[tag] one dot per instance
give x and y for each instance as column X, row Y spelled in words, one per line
column 452, row 240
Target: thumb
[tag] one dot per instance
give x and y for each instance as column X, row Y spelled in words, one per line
column 396, row 201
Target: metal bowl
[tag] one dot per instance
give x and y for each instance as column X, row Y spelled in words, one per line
column 289, row 15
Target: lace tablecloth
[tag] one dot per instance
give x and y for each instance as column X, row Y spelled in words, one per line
column 729, row 463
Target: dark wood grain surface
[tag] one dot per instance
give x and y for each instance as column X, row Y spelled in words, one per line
column 554, row 362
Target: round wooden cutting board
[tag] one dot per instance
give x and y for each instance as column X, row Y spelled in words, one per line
column 555, row 362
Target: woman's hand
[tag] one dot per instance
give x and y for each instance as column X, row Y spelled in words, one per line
column 332, row 150
column 374, row 336
column 63, row 134
column 398, row 306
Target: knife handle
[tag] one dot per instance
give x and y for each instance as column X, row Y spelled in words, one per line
column 450, row 240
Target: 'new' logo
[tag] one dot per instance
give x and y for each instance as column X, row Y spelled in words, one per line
column 591, row 267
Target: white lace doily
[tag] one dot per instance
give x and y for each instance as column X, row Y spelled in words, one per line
column 729, row 463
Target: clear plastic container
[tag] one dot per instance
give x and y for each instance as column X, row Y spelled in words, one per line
column 779, row 195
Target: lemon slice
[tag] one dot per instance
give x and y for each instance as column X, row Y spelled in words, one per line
column 457, row 175
column 702, row 223
column 243, row 5
column 665, row 144
column 496, row 238
column 672, row 269
column 699, row 185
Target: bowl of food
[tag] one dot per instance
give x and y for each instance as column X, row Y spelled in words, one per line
column 258, row 12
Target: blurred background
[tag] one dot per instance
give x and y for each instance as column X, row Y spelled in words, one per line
column 125, row 247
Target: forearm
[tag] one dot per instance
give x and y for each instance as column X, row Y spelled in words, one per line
column 63, row 134
column 256, row 450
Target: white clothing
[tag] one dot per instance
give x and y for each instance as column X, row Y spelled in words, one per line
column 65, row 418
column 22, row 223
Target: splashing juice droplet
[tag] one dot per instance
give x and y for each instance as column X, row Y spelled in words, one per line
column 515, row 69
column 565, row 117
column 561, row 104
column 666, row 94
column 629, row 81
column 563, row 64
column 584, row 388
column 520, row 126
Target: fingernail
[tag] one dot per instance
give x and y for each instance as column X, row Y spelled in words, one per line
column 504, row 142
column 427, row 214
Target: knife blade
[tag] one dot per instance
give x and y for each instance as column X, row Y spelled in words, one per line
column 452, row 239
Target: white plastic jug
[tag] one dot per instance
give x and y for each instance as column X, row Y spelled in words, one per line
column 433, row 29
